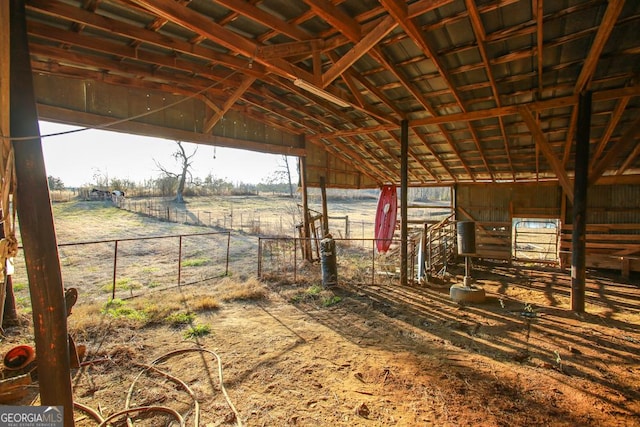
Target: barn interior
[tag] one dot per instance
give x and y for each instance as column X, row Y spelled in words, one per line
column 526, row 109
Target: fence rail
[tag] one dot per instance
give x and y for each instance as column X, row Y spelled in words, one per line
column 122, row 268
column 282, row 259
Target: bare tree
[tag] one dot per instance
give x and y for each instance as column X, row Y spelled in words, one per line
column 185, row 161
column 287, row 171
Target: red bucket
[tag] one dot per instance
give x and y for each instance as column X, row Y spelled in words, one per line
column 19, row 357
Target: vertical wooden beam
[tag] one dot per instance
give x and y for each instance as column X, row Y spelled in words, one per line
column 578, row 239
column 37, row 228
column 5, row 61
column 306, row 245
column 325, row 211
column 404, row 177
column 8, row 310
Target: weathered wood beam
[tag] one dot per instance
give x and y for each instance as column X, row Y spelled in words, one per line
column 614, row 7
column 246, row 83
column 538, row 9
column 192, row 20
column 415, row 157
column 398, row 9
column 548, row 153
column 565, row 101
column 378, row 55
column 615, row 152
column 287, row 50
column 404, row 198
column 57, row 9
column 480, row 34
column 306, row 230
column 629, row 161
column 359, row 50
column 336, row 17
column 358, row 163
column 5, row 61
column 578, row 237
column 61, row 115
column 256, row 14
column 616, row 115
column 37, row 226
column 437, row 158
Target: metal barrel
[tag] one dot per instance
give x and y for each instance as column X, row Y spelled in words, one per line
column 328, row 262
column 466, row 233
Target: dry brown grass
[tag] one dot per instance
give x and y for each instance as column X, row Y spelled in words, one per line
column 249, row 290
column 164, row 307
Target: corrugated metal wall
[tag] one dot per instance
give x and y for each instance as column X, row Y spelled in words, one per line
column 338, row 174
column 493, row 206
column 613, row 204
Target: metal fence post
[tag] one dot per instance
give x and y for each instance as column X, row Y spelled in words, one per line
column 259, row 257
column 226, row 271
column 115, row 264
column 179, row 259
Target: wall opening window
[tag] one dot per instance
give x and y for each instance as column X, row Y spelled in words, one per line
column 535, row 239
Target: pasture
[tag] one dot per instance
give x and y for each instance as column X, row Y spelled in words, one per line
column 359, row 354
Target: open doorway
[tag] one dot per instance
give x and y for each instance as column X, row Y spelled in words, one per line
column 535, row 239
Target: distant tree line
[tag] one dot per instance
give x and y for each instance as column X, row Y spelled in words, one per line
column 166, row 186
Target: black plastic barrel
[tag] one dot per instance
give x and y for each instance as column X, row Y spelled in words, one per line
column 328, row 262
column 466, row 231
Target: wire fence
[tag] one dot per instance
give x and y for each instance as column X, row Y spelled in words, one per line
column 276, row 223
column 357, row 260
column 123, row 268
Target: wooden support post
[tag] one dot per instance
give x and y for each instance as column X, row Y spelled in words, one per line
column 37, row 228
column 9, row 314
column 325, row 211
column 578, row 243
column 306, row 244
column 404, row 172
column 625, row 267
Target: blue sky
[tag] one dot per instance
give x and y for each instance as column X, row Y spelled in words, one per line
column 77, row 157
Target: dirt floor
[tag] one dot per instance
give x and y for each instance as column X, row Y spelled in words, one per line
column 379, row 356
column 296, row 354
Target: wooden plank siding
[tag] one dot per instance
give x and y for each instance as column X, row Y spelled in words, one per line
column 613, row 220
column 613, row 229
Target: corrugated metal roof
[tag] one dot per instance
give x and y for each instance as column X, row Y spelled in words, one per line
column 464, row 73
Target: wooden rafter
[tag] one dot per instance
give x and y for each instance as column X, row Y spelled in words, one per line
column 360, row 49
column 478, row 29
column 207, row 28
column 411, row 88
column 616, row 115
column 614, row 7
column 268, row 20
column 548, row 153
column 414, row 157
column 336, row 17
column 240, row 90
column 538, row 9
column 57, row 9
column 623, row 145
column 393, row 60
column 635, row 154
column 439, row 160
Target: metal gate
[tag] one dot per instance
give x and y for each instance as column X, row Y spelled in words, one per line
column 536, row 239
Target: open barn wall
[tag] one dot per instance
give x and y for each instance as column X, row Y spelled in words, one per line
column 155, row 113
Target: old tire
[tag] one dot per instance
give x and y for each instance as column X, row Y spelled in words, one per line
column 461, row 293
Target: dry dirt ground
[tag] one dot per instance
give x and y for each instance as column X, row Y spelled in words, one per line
column 294, row 354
